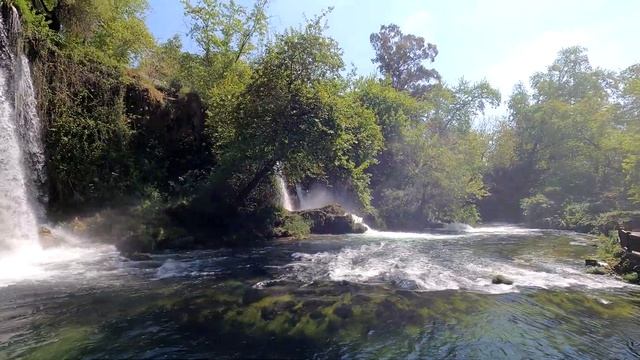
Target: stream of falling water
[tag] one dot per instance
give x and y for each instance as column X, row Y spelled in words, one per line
column 21, row 154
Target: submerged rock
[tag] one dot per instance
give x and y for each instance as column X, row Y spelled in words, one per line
column 332, row 219
column 500, row 279
column 138, row 257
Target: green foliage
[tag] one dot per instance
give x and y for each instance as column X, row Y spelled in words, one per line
column 632, row 277
column 112, row 31
column 294, row 113
column 609, row 248
column 400, row 56
column 540, row 211
column 88, row 138
column 427, row 172
column 578, row 216
column 572, row 132
column 293, row 225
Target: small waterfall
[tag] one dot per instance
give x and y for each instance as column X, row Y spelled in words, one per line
column 300, row 196
column 21, row 151
column 285, row 198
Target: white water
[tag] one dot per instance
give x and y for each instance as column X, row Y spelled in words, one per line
column 18, row 145
column 285, row 198
column 433, row 262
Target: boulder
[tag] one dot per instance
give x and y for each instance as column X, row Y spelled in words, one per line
column 48, row 239
column 500, row 279
column 591, row 262
column 332, row 219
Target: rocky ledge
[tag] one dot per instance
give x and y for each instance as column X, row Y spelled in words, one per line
column 331, row 219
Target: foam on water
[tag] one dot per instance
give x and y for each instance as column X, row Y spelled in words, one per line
column 433, row 262
column 74, row 260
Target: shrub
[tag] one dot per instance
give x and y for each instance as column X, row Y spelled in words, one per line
column 538, row 210
column 631, row 277
column 293, row 225
column 609, row 248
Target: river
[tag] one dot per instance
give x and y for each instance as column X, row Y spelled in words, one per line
column 377, row 295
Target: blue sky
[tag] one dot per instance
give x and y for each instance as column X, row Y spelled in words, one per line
column 500, row 40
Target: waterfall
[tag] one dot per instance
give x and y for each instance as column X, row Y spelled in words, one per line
column 21, row 151
column 285, row 198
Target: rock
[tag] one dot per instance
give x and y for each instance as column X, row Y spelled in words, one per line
column 500, row 279
column 596, row 270
column 138, row 257
column 332, row 219
column 590, row 262
column 405, row 284
column 343, row 311
column 47, row 238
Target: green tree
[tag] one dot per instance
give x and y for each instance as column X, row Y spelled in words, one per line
column 400, row 58
column 295, row 112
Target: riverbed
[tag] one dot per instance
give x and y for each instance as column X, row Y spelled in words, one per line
column 376, row 295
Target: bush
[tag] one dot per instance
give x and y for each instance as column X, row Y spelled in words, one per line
column 538, row 210
column 292, row 225
column 577, row 216
column 609, row 248
column 631, row 277
column 617, row 219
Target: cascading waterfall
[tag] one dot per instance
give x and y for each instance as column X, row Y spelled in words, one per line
column 285, row 198
column 21, row 151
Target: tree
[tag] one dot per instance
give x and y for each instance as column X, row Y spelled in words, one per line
column 454, row 109
column 106, row 29
column 568, row 140
column 295, row 113
column 400, row 58
column 225, row 33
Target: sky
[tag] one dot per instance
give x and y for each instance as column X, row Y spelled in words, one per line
column 501, row 41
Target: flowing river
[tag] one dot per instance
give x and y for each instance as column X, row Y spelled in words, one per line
column 376, row 295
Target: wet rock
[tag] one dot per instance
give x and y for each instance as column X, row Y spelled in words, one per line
column 268, row 314
column 343, row 311
column 48, row 239
column 138, row 257
column 500, row 279
column 590, row 262
column 406, row 284
column 316, row 315
column 596, row 270
column 251, row 295
column 332, row 219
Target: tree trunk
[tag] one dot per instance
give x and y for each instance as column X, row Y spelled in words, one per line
column 255, row 181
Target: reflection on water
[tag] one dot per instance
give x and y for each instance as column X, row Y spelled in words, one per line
column 365, row 296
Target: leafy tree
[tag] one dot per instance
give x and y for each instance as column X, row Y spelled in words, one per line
column 567, row 134
column 454, row 109
column 294, row 112
column 225, row 33
column 400, row 57
column 106, row 29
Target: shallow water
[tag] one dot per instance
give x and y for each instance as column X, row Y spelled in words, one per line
column 377, row 295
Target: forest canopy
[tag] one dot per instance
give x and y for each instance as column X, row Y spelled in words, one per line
column 211, row 128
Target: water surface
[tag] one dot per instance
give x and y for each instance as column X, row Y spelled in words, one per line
column 377, row 295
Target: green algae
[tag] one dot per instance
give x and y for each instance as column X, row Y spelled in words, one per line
column 66, row 343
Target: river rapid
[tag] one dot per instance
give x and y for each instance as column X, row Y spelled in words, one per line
column 376, row 295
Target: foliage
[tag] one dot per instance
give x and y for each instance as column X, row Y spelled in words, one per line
column 572, row 132
column 294, row 114
column 399, row 57
column 609, row 248
column 540, row 211
column 293, row 225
